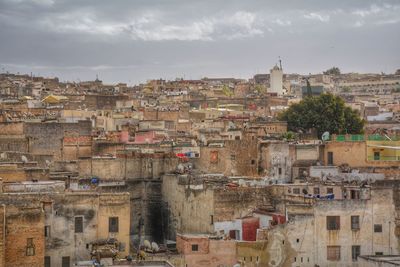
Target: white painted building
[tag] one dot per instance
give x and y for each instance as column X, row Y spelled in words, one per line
column 276, row 80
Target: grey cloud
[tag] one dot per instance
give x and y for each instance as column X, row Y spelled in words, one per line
column 136, row 40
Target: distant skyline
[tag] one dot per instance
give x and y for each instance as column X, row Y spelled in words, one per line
column 135, row 40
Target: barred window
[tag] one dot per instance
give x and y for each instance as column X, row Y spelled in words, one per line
column 355, row 252
column 30, row 247
column 355, row 222
column 332, row 222
column 79, row 224
column 333, row 253
column 113, row 225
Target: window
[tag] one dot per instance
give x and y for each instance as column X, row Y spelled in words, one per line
column 47, row 230
column 330, row 158
column 296, row 191
column 280, row 171
column 195, row 247
column 355, row 194
column 113, row 224
column 378, row 253
column 212, row 219
column 233, row 157
column 46, row 261
column 30, row 247
column 65, row 262
column 355, row 252
column 253, row 162
column 316, row 190
column 377, row 155
column 333, row 253
column 329, row 190
column 355, row 222
column 234, row 234
column 378, row 228
column 332, row 222
column 79, row 224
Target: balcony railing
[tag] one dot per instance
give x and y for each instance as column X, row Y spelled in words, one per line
column 384, row 158
column 361, row 137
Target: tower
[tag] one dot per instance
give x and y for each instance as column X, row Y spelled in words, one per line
column 276, row 80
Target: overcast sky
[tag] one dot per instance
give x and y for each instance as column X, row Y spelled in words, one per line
column 135, row 40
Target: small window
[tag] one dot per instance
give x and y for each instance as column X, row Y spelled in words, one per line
column 379, row 253
column 30, row 247
column 47, row 261
column 316, row 190
column 330, row 158
column 195, row 247
column 280, row 171
column 296, row 191
column 47, row 230
column 253, row 162
column 332, row 222
column 378, row 228
column 355, row 222
column 329, row 190
column 233, row 157
column 65, row 262
column 212, row 219
column 79, row 224
column 113, row 225
column 355, row 252
column 333, row 253
column 297, row 240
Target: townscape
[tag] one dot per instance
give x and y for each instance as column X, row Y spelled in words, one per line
column 207, row 172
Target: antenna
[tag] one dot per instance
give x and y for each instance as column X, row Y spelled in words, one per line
column 280, row 62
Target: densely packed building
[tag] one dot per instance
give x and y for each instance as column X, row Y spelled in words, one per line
column 196, row 173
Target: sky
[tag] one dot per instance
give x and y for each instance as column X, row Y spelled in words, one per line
column 136, row 40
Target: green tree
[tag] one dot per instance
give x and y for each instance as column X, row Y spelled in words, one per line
column 332, row 71
column 323, row 113
column 227, row 91
column 346, row 89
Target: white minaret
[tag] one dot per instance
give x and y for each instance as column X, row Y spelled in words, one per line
column 276, row 80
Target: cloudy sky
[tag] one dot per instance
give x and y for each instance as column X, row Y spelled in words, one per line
column 135, row 40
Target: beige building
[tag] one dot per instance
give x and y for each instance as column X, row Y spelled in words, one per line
column 336, row 232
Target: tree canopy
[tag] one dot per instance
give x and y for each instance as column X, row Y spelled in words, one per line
column 323, row 113
column 332, row 71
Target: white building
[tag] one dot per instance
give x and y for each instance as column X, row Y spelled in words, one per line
column 276, row 80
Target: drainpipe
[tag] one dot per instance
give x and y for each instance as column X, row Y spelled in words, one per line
column 4, row 232
column 390, row 249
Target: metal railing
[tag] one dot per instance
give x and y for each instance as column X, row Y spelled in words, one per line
column 384, row 158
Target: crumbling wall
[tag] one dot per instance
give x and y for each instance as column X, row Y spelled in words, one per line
column 233, row 203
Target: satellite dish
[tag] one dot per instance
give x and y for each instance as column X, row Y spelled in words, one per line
column 325, row 136
column 24, row 159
